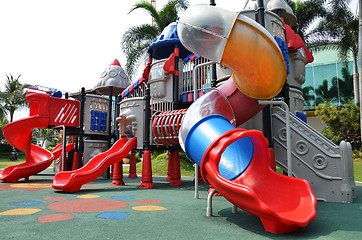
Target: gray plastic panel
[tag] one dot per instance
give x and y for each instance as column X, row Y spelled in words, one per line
column 131, row 119
column 96, row 115
column 327, row 167
column 93, row 148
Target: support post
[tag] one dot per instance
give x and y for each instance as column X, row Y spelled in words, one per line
column 175, row 173
column 64, row 143
column 118, row 174
column 110, row 96
column 209, row 203
column 76, row 155
column 81, row 128
column 169, row 166
column 132, row 166
column 146, row 180
column 196, row 181
column 176, row 78
column 261, row 11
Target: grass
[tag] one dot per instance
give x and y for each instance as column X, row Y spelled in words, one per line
column 357, row 166
column 160, row 162
column 4, row 159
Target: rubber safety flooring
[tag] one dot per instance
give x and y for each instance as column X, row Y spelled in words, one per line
column 33, row 210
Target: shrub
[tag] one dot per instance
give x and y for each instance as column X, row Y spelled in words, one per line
column 343, row 123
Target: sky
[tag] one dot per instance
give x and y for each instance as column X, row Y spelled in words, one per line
column 67, row 44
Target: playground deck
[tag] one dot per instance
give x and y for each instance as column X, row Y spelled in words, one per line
column 33, row 210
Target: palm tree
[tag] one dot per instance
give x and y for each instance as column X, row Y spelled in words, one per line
column 340, row 92
column 13, row 97
column 345, row 85
column 324, row 93
column 136, row 40
column 309, row 96
column 2, row 111
column 307, row 12
column 46, row 134
column 338, row 30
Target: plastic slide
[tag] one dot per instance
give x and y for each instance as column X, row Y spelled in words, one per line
column 43, row 112
column 18, row 134
column 236, row 162
column 72, row 181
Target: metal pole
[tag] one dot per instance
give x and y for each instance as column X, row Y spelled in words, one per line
column 176, row 78
column 64, row 157
column 110, row 109
column 209, row 203
column 213, row 67
column 147, row 123
column 287, row 126
column 261, row 10
column 81, row 126
column 196, row 181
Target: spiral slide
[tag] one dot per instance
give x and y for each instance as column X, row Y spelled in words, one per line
column 18, row 134
column 236, row 162
column 72, row 181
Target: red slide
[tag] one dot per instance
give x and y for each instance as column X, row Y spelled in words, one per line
column 72, row 181
column 18, row 134
column 45, row 111
column 282, row 203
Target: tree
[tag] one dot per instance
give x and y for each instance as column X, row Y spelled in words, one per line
column 308, row 95
column 338, row 30
column 325, row 93
column 13, row 97
column 136, row 40
column 345, row 85
column 2, row 112
column 46, row 134
column 307, row 12
column 339, row 92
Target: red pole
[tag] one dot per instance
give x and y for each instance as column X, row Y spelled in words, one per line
column 146, row 180
column 169, row 166
column 118, row 174
column 132, row 166
column 176, row 172
column 75, row 161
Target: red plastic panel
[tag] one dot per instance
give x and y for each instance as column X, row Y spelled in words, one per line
column 64, row 112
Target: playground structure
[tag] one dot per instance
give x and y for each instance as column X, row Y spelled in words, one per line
column 194, row 102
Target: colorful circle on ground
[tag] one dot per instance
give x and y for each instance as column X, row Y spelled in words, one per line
column 87, row 205
column 26, row 204
column 21, row 211
column 88, row 196
column 113, row 215
column 31, row 185
column 122, row 197
column 148, row 208
column 148, row 201
column 55, row 217
column 54, row 198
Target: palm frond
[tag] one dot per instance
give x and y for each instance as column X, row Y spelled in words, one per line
column 146, row 6
column 137, row 39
